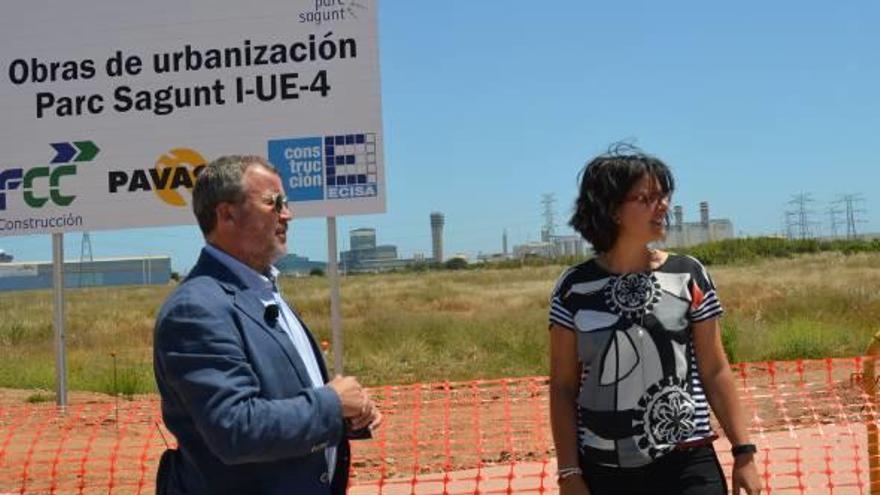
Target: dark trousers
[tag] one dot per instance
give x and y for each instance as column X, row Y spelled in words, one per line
column 681, row 472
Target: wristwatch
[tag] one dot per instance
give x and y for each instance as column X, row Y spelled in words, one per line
column 743, row 448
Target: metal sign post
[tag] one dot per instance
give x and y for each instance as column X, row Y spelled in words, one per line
column 58, row 319
column 335, row 310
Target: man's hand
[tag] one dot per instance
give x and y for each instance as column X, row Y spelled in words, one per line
column 369, row 416
column 351, row 394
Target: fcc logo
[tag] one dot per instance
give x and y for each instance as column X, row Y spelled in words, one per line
column 33, row 182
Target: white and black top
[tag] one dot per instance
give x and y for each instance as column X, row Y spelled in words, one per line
column 640, row 391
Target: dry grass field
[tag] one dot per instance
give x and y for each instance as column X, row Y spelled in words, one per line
column 456, row 325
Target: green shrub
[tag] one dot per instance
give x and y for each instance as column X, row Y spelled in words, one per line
column 749, row 249
column 40, row 397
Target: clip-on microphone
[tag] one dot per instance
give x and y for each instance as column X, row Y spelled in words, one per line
column 271, row 314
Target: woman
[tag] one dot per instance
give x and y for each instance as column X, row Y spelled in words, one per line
column 635, row 349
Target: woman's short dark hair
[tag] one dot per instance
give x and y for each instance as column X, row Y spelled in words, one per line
column 604, row 183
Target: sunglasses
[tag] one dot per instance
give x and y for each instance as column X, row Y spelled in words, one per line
column 649, row 200
column 277, row 200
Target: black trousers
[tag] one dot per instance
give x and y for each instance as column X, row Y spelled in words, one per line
column 681, row 472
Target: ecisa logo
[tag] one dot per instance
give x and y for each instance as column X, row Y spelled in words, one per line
column 327, row 168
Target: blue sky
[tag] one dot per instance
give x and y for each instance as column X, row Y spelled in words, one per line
column 488, row 105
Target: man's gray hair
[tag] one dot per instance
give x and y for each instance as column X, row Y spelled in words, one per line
column 220, row 182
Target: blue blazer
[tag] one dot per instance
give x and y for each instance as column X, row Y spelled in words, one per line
column 237, row 396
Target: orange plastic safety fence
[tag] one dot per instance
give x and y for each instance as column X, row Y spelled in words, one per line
column 809, row 418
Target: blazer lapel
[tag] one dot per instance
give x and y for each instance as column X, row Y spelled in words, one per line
column 251, row 305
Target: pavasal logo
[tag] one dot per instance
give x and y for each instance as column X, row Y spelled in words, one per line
column 33, row 181
column 173, row 170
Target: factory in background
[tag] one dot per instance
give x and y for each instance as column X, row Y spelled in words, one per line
column 366, row 256
column 684, row 234
column 552, row 246
column 148, row 270
column 293, row 264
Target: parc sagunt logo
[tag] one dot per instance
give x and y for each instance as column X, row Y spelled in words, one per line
column 329, row 11
column 33, row 181
column 175, row 170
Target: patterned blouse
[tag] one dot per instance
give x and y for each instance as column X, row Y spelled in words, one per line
column 640, row 391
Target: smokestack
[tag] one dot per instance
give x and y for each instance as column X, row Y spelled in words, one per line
column 504, row 243
column 704, row 213
column 678, row 212
column 437, row 235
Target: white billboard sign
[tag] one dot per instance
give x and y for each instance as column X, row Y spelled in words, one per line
column 109, row 109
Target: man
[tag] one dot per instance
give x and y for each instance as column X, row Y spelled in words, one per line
column 244, row 387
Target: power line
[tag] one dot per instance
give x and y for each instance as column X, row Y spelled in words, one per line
column 834, row 220
column 86, row 256
column 548, row 200
column 851, row 212
column 799, row 221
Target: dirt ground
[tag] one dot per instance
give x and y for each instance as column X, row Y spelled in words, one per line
column 810, row 420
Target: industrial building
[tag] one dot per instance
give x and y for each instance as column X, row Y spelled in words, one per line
column 149, row 270
column 293, row 264
column 568, row 245
column 552, row 246
column 362, row 239
column 529, row 249
column 684, row 234
column 366, row 256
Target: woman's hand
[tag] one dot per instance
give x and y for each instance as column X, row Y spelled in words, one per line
column 574, row 485
column 745, row 475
